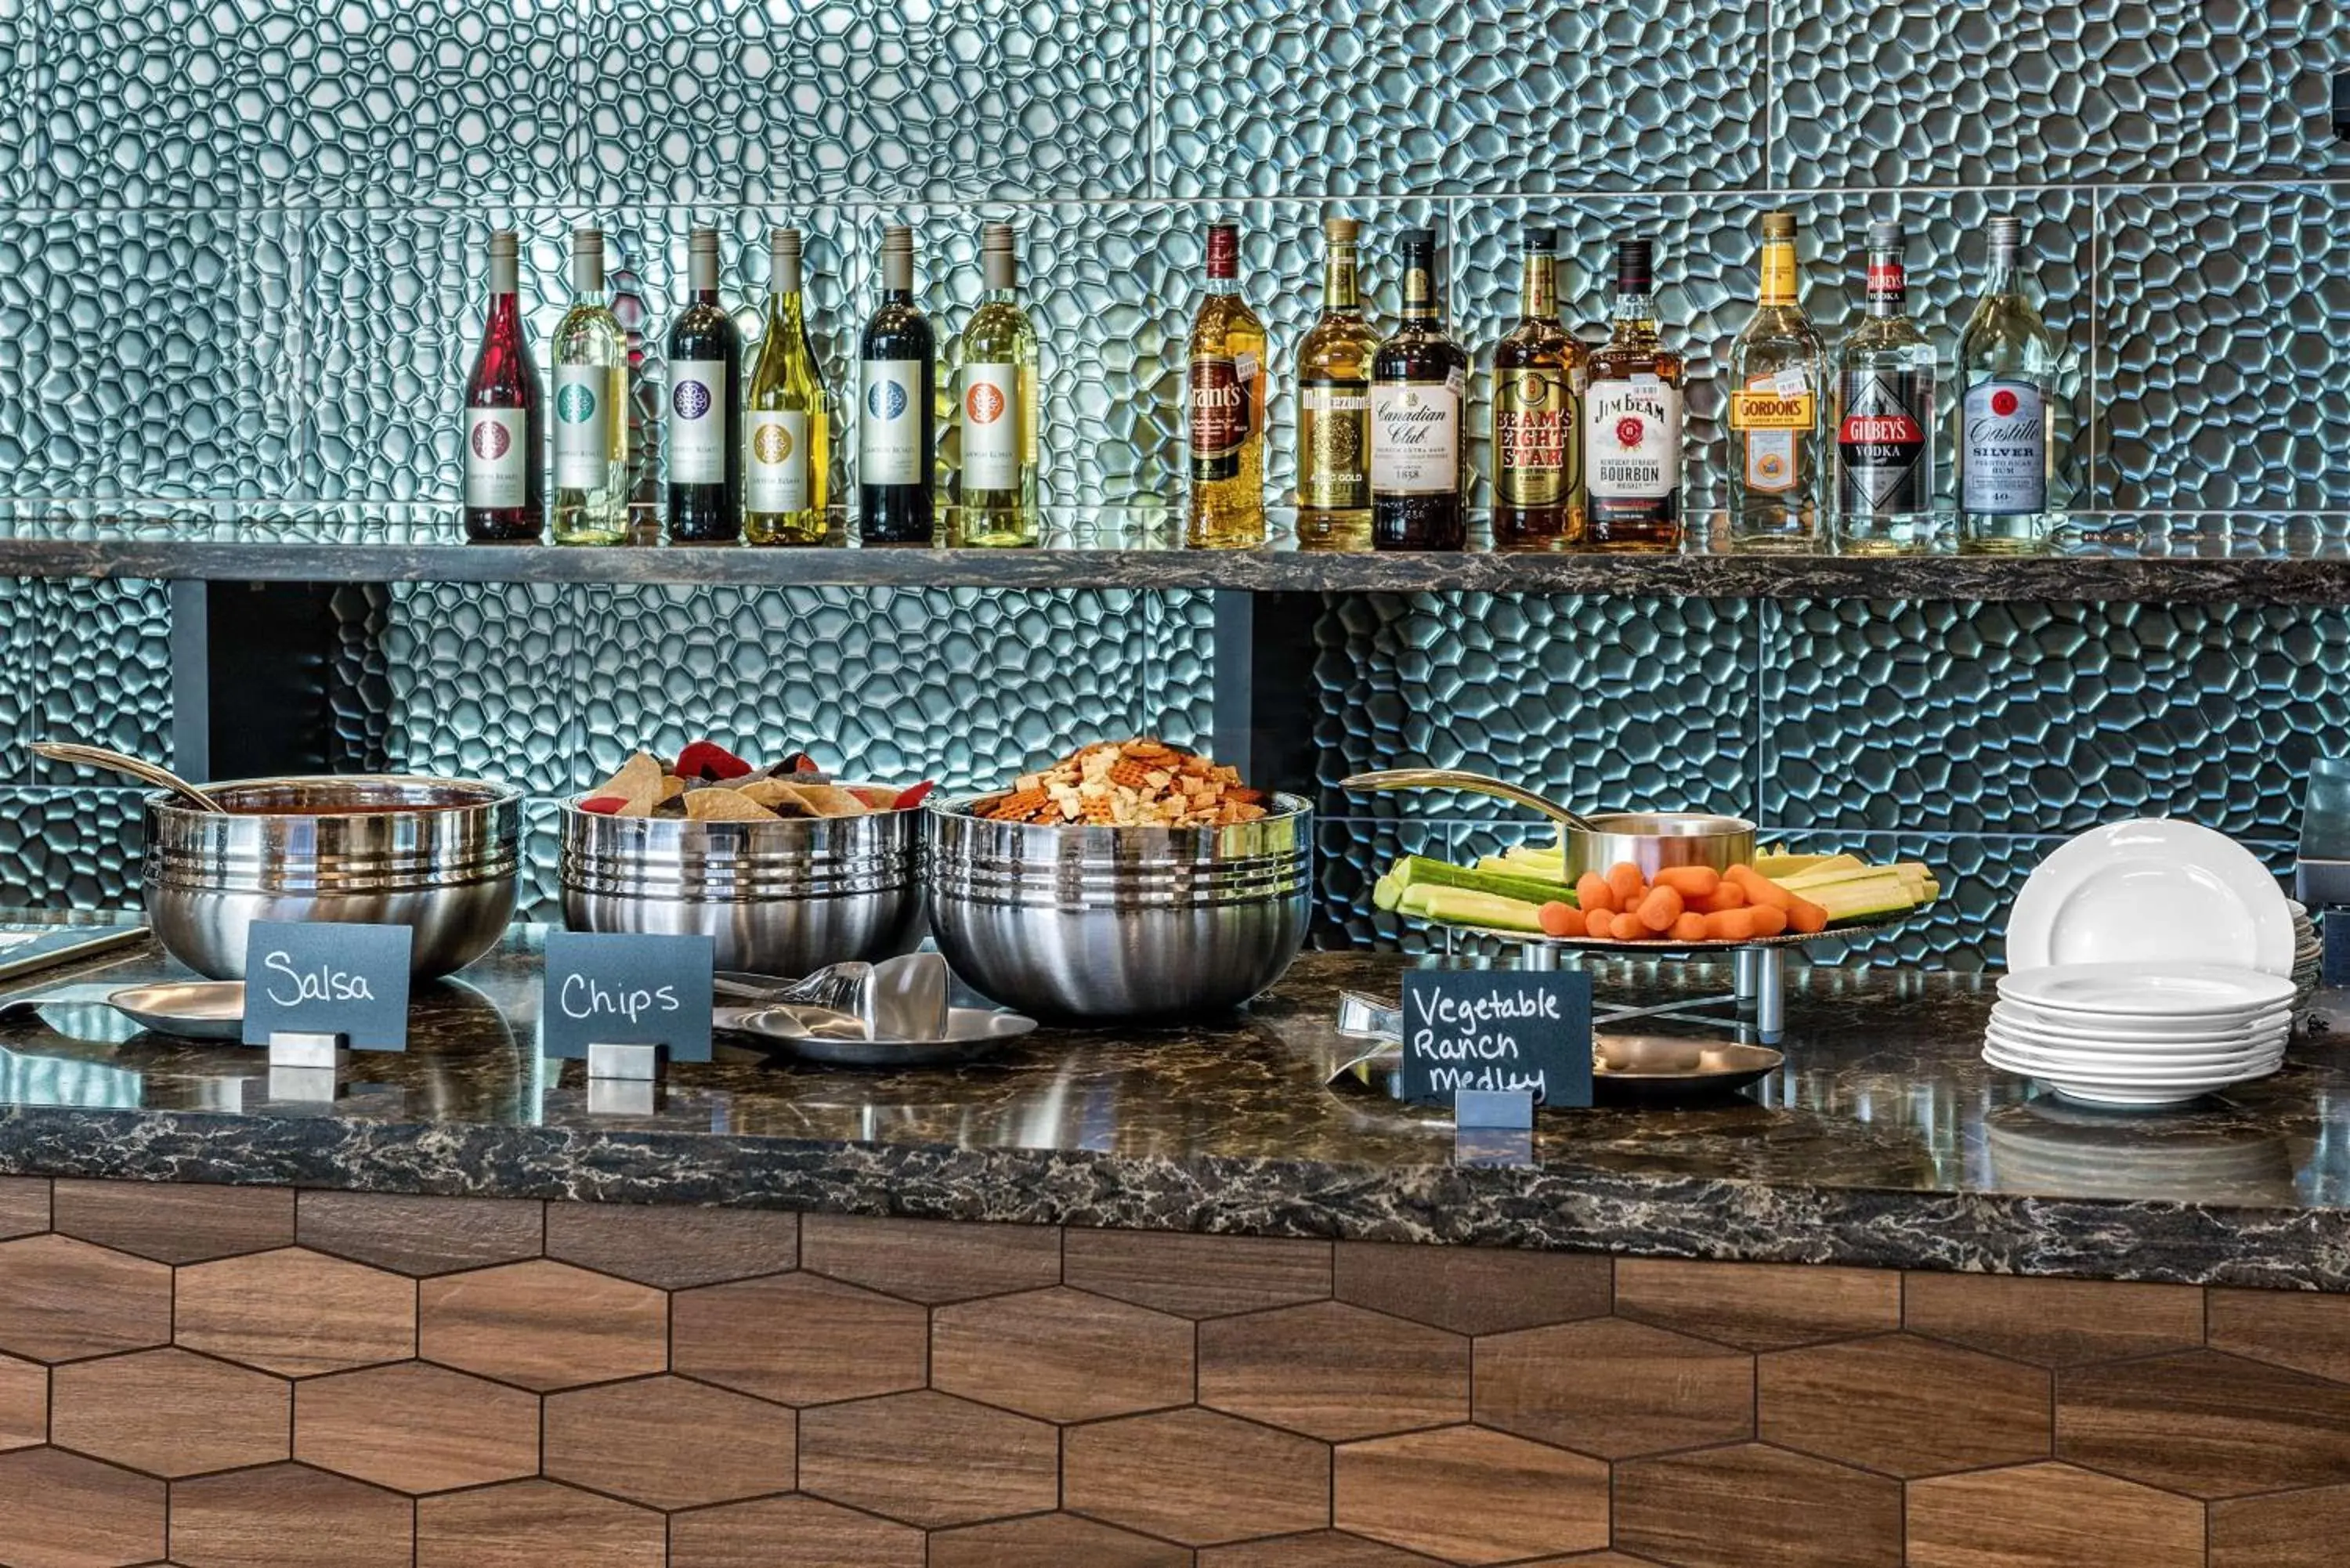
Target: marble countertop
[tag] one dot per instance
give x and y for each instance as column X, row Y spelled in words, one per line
column 1883, row 1140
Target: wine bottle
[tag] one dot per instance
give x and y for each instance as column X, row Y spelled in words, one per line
column 505, row 497
column 705, row 389
column 1224, row 389
column 997, row 394
column 897, row 424
column 1420, row 383
column 787, row 446
column 591, row 408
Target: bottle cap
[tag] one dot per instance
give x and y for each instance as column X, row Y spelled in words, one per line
column 1778, row 225
column 1341, row 231
column 502, row 242
column 1417, row 239
column 1885, row 235
column 1635, row 259
column 1224, row 249
column 2006, row 234
column 998, row 262
column 783, row 242
column 898, row 237
column 704, row 240
column 1543, row 238
column 585, row 239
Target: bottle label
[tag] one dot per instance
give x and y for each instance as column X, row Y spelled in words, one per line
column 584, row 417
column 889, row 436
column 2006, row 449
column 1222, row 416
column 697, row 425
column 1768, row 414
column 992, row 420
column 1334, row 446
column 1632, row 440
column 776, row 479
column 1533, row 424
column 1415, row 438
column 1778, row 273
column 1887, row 283
column 1881, row 444
column 497, row 457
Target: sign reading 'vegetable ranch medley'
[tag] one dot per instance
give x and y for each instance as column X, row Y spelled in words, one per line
column 330, row 978
column 611, row 989
column 1497, row 1030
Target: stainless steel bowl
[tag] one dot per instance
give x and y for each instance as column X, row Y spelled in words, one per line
column 1130, row 924
column 1655, row 840
column 781, row 898
column 435, row 854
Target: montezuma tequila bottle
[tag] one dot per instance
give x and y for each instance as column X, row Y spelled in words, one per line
column 1632, row 419
column 1224, row 407
column 2008, row 406
column 705, row 391
column 786, row 440
column 1539, row 374
column 1885, row 416
column 1420, row 387
column 1333, row 404
column 1778, row 382
column 995, row 399
column 591, row 408
column 897, row 428
column 505, row 494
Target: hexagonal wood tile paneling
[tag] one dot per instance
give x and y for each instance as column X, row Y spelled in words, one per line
column 536, row 1524
column 2283, row 1529
column 1905, row 1406
column 790, row 1533
column 289, row 1516
column 1471, row 1496
column 1320, row 1549
column 297, row 1312
column 2055, row 1322
column 414, row 1427
column 929, row 1459
column 61, row 1300
column 1051, row 1538
column 1615, row 1389
column 23, row 1206
column 674, row 1248
column 1758, row 1306
column 175, row 1223
column 1334, row 1371
column 1196, row 1276
column 24, row 1403
column 1062, row 1355
column 799, row 1339
column 1472, row 1290
column 1755, row 1507
column 170, row 1413
column 542, row 1326
column 930, row 1261
column 669, row 1443
column 420, row 1235
column 62, row 1510
column 2305, row 1330
column 2205, row 1424
column 2050, row 1516
column 1195, row 1477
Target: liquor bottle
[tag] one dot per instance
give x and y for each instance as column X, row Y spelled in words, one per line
column 1632, row 419
column 505, row 494
column 786, row 425
column 1539, row 379
column 1885, row 415
column 592, row 407
column 706, row 390
column 897, row 428
column 1333, row 404
column 1778, row 384
column 1420, row 381
column 2007, row 437
column 996, row 393
column 1225, row 420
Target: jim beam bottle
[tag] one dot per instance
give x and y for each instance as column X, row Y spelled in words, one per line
column 1333, row 404
column 1224, row 416
column 2008, row 407
column 1632, row 419
column 1419, row 394
column 1885, row 416
column 1778, row 379
column 1539, row 373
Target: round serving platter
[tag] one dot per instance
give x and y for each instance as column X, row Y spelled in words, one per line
column 1661, row 944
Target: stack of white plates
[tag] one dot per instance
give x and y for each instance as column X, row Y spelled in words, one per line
column 2308, row 960
column 2139, row 1035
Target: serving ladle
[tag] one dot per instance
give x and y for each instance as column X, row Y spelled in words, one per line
column 124, row 763
column 1475, row 784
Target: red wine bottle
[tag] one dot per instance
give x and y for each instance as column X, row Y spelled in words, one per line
column 504, row 417
column 705, row 399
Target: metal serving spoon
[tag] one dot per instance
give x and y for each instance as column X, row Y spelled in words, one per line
column 1477, row 783
column 124, row 763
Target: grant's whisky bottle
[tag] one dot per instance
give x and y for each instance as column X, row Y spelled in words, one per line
column 1538, row 384
column 1334, row 405
column 1420, row 387
column 1225, row 418
column 1632, row 419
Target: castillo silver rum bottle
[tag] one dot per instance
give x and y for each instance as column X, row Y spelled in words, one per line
column 1885, row 416
column 2007, row 439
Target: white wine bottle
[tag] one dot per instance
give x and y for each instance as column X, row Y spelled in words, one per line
column 995, row 399
column 787, row 446
column 591, row 408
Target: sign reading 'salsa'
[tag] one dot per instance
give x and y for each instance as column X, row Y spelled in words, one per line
column 1501, row 1030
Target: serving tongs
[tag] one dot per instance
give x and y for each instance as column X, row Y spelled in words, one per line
column 898, row 998
column 1475, row 784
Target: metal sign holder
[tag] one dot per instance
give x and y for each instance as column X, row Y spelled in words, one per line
column 623, row 1080
column 302, row 1065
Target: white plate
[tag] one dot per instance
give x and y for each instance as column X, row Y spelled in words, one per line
column 2121, row 1031
column 2111, row 1098
column 2201, row 991
column 2152, row 891
column 2099, row 1072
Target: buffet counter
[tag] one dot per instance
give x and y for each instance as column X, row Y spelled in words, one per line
column 1225, row 1308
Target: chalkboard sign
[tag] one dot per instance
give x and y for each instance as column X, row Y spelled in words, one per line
column 612, row 989
column 1497, row 1029
column 327, row 977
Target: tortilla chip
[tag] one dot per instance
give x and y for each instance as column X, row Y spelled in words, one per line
column 830, row 800
column 724, row 806
column 671, row 787
column 640, row 778
column 783, row 799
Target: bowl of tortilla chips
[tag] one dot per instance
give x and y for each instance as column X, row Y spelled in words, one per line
column 784, row 867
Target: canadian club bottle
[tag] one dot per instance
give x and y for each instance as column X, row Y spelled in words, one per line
column 1333, row 404
column 2007, row 436
column 897, row 429
column 591, row 408
column 1224, row 411
column 786, row 434
column 505, row 498
column 1778, row 386
column 1538, row 383
column 995, row 399
column 1632, row 419
column 705, row 389
column 1420, row 381
column 1885, row 415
